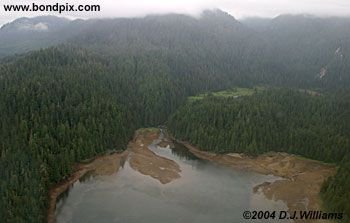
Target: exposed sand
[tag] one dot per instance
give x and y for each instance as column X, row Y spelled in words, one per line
column 302, row 181
column 299, row 189
column 141, row 159
column 147, row 162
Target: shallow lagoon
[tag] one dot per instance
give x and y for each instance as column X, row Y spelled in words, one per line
column 205, row 193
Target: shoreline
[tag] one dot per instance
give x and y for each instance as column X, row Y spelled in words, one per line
column 140, row 158
column 302, row 178
column 100, row 165
column 146, row 162
column 299, row 188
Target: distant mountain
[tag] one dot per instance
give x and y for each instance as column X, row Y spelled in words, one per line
column 289, row 49
column 305, row 45
column 25, row 34
column 41, row 23
column 106, row 78
column 159, row 31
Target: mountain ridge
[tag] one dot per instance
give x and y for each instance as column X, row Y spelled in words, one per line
column 286, row 49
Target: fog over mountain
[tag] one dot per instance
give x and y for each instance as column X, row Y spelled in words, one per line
column 294, row 48
column 238, row 8
column 75, row 89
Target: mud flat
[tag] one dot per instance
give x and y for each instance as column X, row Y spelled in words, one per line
column 140, row 158
column 302, row 181
column 298, row 189
column 147, row 162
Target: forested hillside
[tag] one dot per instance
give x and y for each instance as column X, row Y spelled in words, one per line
column 271, row 120
column 26, row 34
column 298, row 122
column 302, row 46
column 60, row 106
column 55, row 111
column 296, row 51
column 335, row 191
column 67, row 103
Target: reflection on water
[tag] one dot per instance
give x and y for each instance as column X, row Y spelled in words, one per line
column 182, row 152
column 87, row 176
column 205, row 193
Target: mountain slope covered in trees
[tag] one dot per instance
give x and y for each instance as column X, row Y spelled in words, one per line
column 281, row 120
column 109, row 77
column 66, row 104
column 272, row 120
column 55, row 111
column 287, row 50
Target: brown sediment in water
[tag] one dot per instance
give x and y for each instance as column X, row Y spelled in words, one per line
column 142, row 160
column 302, row 178
column 147, row 162
column 299, row 188
column 166, row 143
column 101, row 165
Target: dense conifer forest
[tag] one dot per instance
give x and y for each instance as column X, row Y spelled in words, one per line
column 70, row 102
column 49, row 122
column 299, row 122
column 65, row 104
column 271, row 120
column 335, row 191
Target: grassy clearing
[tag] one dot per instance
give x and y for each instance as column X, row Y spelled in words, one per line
column 234, row 92
column 318, row 161
column 148, row 130
column 310, row 92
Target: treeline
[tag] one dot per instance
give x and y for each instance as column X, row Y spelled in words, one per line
column 55, row 111
column 335, row 191
column 61, row 106
column 273, row 120
column 280, row 120
column 65, row 104
column 284, row 51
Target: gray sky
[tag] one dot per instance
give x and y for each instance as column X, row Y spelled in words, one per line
column 237, row 8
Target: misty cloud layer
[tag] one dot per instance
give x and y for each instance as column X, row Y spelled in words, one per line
column 237, row 8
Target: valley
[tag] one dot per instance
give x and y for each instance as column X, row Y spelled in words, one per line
column 295, row 179
column 263, row 106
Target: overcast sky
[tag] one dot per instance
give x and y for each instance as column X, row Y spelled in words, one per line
column 237, row 8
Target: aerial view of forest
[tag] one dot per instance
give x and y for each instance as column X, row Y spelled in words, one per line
column 109, row 118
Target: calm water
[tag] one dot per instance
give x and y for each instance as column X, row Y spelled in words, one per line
column 205, row 193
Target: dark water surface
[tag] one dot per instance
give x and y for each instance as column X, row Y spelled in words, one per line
column 205, row 193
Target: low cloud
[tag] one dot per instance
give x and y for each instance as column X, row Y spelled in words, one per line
column 237, row 8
